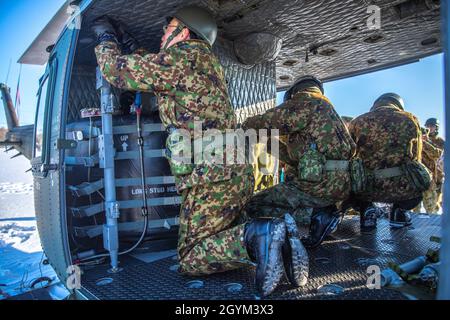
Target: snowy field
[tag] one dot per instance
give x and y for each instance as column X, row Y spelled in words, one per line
column 20, row 249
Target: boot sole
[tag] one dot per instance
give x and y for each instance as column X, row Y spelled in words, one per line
column 332, row 226
column 299, row 255
column 275, row 266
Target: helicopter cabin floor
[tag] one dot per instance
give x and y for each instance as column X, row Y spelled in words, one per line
column 338, row 269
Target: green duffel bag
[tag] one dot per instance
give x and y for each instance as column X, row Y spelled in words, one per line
column 418, row 175
column 358, row 176
column 311, row 166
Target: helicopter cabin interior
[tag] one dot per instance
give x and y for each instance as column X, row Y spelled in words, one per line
column 263, row 46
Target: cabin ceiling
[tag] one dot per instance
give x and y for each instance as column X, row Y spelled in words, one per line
column 328, row 39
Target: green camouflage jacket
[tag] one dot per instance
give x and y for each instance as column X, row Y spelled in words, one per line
column 189, row 83
column 309, row 118
column 430, row 156
column 387, row 137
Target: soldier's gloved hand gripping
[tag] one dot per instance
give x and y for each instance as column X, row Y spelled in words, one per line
column 128, row 42
column 108, row 29
column 104, row 29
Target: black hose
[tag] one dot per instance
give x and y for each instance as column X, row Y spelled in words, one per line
column 141, row 158
column 138, row 243
column 39, row 280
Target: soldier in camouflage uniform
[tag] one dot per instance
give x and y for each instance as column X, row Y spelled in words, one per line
column 433, row 125
column 430, row 157
column 387, row 137
column 316, row 152
column 438, row 179
column 189, row 83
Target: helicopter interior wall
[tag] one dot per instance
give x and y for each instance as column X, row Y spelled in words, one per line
column 316, row 40
column 328, row 39
column 82, row 230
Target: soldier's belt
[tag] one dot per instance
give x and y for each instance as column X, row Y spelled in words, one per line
column 337, row 165
column 388, row 173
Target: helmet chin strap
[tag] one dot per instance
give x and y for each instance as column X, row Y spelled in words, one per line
column 174, row 34
column 435, row 133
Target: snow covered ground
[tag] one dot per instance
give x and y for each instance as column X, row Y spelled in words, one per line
column 21, row 254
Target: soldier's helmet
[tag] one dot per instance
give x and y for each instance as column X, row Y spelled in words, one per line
column 389, row 98
column 432, row 122
column 301, row 84
column 198, row 20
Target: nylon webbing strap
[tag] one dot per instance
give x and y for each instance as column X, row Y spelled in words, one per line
column 88, row 188
column 88, row 211
column 128, row 155
column 150, row 127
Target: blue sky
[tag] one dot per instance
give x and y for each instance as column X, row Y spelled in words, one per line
column 420, row 84
column 20, row 23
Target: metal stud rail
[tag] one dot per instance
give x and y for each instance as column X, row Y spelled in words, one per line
column 106, row 156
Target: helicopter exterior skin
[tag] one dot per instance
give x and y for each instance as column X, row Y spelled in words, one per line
column 17, row 137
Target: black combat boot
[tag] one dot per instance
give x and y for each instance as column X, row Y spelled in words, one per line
column 264, row 239
column 368, row 219
column 399, row 218
column 295, row 257
column 324, row 221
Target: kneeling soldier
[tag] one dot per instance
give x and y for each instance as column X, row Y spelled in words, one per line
column 317, row 150
column 389, row 142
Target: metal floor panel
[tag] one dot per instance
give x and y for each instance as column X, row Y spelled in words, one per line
column 342, row 260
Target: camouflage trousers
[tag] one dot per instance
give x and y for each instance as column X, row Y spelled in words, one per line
column 284, row 198
column 432, row 199
column 211, row 239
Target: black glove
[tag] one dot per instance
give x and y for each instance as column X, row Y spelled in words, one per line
column 128, row 42
column 104, row 29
